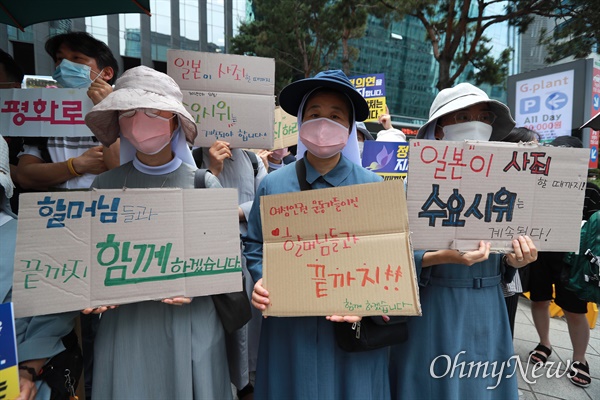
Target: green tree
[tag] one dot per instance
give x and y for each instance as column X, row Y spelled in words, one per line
column 577, row 33
column 303, row 36
column 456, row 30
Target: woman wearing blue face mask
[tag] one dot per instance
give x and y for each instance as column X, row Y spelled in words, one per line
column 298, row 356
column 464, row 318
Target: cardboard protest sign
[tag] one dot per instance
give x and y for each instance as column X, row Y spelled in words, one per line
column 9, row 366
column 44, row 112
column 339, row 251
column 104, row 247
column 230, row 96
column 387, row 159
column 462, row 192
column 372, row 88
column 286, row 129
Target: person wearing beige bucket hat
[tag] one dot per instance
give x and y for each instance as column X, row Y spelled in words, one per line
column 464, row 314
column 152, row 349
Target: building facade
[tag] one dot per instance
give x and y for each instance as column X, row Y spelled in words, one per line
column 202, row 25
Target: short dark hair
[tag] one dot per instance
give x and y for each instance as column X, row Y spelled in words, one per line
column 11, row 68
column 84, row 43
column 521, row 134
column 567, row 141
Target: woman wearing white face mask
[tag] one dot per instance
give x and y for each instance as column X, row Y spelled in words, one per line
column 298, row 356
column 464, row 315
column 152, row 349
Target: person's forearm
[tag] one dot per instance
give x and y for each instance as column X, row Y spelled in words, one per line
column 41, row 176
column 432, row 258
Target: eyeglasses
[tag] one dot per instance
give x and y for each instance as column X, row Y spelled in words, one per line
column 487, row 117
column 150, row 112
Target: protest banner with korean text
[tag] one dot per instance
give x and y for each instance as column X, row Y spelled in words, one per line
column 9, row 364
column 231, row 97
column 387, row 159
column 372, row 88
column 44, row 112
column 103, row 247
column 286, row 129
column 460, row 193
column 339, row 251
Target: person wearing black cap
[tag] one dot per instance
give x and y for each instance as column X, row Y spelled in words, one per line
column 298, row 357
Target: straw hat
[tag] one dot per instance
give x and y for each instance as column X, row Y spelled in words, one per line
column 139, row 87
column 465, row 95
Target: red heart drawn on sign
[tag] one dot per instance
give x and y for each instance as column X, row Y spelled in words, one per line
column 275, row 232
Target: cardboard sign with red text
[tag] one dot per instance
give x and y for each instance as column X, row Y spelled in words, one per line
column 44, row 112
column 231, row 97
column 460, row 193
column 339, row 251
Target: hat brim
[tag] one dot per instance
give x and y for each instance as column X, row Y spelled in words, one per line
column 103, row 118
column 593, row 123
column 366, row 133
column 501, row 127
column 292, row 95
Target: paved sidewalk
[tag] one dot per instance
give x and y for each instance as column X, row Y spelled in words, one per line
column 545, row 388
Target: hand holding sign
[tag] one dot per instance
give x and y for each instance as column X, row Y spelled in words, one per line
column 525, row 252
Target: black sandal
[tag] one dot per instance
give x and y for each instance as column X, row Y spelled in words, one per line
column 540, row 354
column 581, row 371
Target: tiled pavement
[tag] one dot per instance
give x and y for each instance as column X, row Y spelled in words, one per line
column 554, row 388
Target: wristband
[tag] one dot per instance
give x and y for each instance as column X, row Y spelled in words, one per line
column 72, row 168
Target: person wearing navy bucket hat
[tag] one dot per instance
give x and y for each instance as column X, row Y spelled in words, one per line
column 298, row 356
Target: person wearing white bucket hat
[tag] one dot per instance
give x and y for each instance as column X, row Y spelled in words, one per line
column 155, row 350
column 298, row 356
column 464, row 314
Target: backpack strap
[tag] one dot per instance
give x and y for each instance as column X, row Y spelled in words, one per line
column 301, row 174
column 254, row 159
column 200, row 178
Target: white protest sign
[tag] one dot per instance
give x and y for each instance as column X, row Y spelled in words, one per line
column 339, row 251
column 545, row 104
column 87, row 249
column 44, row 112
column 229, row 96
column 462, row 192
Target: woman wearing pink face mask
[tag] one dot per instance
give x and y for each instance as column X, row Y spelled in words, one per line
column 298, row 356
column 155, row 350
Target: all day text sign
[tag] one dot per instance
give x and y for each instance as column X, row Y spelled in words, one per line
column 103, row 247
column 339, row 251
column 462, row 192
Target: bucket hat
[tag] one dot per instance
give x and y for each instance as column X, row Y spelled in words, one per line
column 139, row 87
column 362, row 128
column 593, row 123
column 292, row 95
column 465, row 95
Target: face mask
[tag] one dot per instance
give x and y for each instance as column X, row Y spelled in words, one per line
column 73, row 75
column 148, row 135
column 323, row 137
column 279, row 154
column 473, row 130
column 361, row 146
